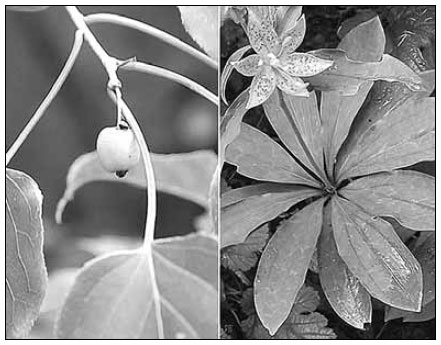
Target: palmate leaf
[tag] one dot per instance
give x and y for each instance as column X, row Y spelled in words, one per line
column 133, row 294
column 375, row 254
column 346, row 75
column 404, row 136
column 407, row 196
column 283, row 265
column 186, row 175
column 343, row 290
column 26, row 276
column 287, row 128
column 307, row 119
column 244, row 209
column 363, row 43
column 424, row 252
column 259, row 157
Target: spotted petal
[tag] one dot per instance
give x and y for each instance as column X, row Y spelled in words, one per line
column 249, row 66
column 303, row 64
column 294, row 37
column 291, row 85
column 262, row 86
column 262, row 35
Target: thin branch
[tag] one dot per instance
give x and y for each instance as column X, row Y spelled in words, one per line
column 49, row 98
column 150, row 30
column 111, row 65
column 164, row 73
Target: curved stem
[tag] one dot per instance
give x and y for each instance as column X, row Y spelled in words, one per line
column 148, row 167
column 164, row 73
column 49, row 98
column 114, row 87
column 150, row 30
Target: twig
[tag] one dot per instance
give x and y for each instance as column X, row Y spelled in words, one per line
column 111, row 65
column 150, row 30
column 164, row 73
column 49, row 98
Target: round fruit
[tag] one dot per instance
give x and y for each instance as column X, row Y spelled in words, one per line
column 117, row 149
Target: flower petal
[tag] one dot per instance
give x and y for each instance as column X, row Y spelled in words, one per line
column 262, row 87
column 249, row 66
column 286, row 18
column 303, row 64
column 294, row 37
column 291, row 85
column 262, row 35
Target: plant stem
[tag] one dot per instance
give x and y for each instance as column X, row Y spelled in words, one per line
column 114, row 88
column 148, row 167
column 111, row 65
column 49, row 98
column 150, row 30
column 164, row 73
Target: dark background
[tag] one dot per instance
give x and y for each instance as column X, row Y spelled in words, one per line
column 172, row 118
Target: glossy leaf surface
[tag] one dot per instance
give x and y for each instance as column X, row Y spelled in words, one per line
column 407, row 196
column 283, row 265
column 281, row 119
column 263, row 203
column 259, row 157
column 404, row 136
column 344, row 292
column 375, row 254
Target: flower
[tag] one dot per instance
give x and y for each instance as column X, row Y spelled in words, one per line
column 274, row 35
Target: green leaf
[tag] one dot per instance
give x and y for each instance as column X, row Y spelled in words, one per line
column 402, row 137
column 296, row 326
column 129, row 295
column 207, row 17
column 375, row 254
column 287, row 126
column 26, row 276
column 244, row 256
column 363, row 43
column 229, row 67
column 407, row 196
column 259, row 157
column 346, row 75
column 246, row 208
column 186, row 175
column 305, row 114
column 344, row 292
column 230, row 122
column 302, row 323
column 284, row 263
column 424, row 252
